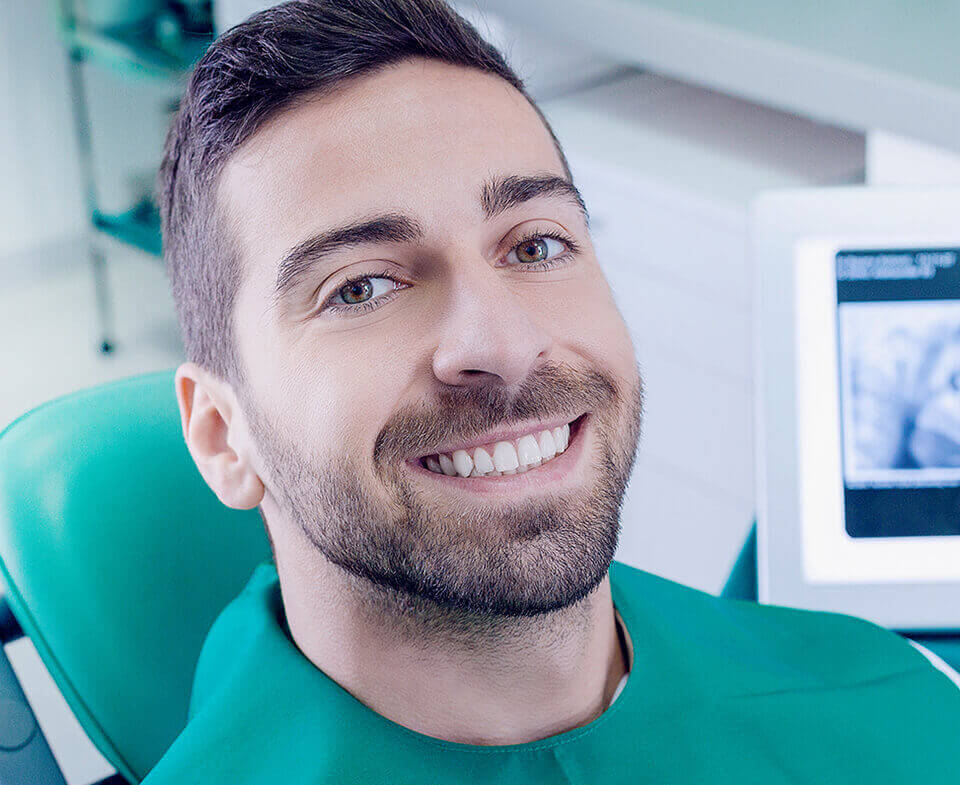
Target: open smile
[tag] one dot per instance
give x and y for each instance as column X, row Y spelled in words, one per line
column 538, row 459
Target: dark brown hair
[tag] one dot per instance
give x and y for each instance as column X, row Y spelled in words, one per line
column 247, row 76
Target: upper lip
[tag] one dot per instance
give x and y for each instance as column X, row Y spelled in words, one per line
column 505, row 434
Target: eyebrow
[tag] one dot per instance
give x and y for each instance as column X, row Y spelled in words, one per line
column 497, row 195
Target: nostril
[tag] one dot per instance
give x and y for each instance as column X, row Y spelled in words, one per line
column 478, row 374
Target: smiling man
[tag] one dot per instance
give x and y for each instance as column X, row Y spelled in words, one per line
column 403, row 350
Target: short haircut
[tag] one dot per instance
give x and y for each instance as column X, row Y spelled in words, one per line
column 249, row 74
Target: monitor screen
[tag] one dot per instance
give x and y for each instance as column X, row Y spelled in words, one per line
column 898, row 333
column 858, row 364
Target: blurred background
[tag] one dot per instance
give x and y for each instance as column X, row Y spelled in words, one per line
column 674, row 114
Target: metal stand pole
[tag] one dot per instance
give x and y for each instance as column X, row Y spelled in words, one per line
column 101, row 293
column 81, row 120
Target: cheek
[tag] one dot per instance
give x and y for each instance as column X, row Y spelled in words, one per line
column 307, row 395
column 340, row 398
column 593, row 321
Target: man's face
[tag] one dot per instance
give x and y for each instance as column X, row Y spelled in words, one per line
column 466, row 316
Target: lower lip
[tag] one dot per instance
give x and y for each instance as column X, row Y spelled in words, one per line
column 551, row 473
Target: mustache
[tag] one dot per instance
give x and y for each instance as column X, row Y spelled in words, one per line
column 464, row 412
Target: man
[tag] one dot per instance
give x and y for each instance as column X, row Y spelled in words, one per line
column 403, row 350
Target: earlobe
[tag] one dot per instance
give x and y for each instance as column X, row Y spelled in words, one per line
column 206, row 416
column 234, row 481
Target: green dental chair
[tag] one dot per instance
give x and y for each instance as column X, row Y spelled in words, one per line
column 116, row 559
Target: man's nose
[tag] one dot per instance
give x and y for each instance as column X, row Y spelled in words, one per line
column 488, row 333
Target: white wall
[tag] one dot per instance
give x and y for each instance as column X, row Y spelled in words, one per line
column 40, row 196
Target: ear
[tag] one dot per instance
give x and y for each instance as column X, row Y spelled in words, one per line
column 216, row 437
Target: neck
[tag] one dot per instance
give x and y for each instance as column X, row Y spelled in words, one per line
column 473, row 679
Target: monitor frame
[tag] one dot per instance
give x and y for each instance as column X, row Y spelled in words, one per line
column 792, row 233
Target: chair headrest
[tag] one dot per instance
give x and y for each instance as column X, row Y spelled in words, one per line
column 118, row 557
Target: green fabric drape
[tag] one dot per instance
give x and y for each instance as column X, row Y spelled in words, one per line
column 722, row 692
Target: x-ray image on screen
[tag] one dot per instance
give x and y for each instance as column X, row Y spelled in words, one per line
column 899, row 354
column 900, row 366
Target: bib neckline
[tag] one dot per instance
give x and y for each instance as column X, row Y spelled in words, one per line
column 616, row 708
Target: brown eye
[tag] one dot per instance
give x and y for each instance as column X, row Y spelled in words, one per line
column 533, row 250
column 363, row 292
column 356, row 291
column 542, row 249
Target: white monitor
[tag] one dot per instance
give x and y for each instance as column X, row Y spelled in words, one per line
column 858, row 402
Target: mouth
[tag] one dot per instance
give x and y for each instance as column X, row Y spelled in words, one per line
column 536, row 457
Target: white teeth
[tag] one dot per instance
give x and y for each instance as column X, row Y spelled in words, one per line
column 482, row 463
column 505, row 457
column 558, row 438
column 561, row 435
column 528, row 451
column 446, row 464
column 548, row 447
column 463, row 463
column 517, row 457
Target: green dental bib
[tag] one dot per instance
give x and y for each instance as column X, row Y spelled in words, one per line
column 721, row 692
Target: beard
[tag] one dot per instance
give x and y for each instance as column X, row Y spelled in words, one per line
column 428, row 551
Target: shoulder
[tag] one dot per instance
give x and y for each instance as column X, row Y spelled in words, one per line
column 252, row 617
column 763, row 647
column 938, row 663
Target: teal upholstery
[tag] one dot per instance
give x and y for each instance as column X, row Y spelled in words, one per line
column 742, row 582
column 117, row 557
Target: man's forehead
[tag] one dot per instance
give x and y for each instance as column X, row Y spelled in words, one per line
column 409, row 129
column 410, row 138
